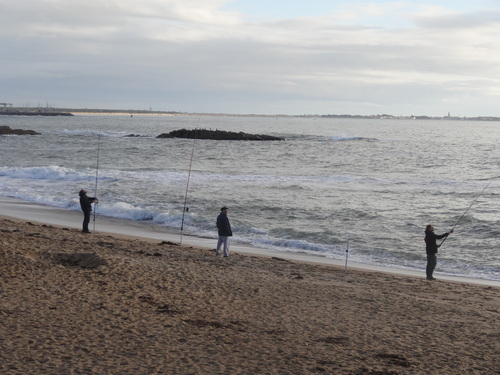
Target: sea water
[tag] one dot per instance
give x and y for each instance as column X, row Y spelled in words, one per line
column 366, row 185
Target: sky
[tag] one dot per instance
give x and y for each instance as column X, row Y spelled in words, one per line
column 425, row 57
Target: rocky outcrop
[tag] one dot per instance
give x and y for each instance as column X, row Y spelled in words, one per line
column 6, row 130
column 219, row 135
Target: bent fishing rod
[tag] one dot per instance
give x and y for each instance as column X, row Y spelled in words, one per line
column 96, row 175
column 467, row 210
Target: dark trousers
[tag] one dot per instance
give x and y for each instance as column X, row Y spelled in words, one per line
column 431, row 264
column 86, row 220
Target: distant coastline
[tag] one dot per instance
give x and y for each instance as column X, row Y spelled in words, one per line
column 50, row 111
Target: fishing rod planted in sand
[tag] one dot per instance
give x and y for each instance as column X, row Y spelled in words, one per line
column 346, row 255
column 467, row 210
column 96, row 175
column 185, row 208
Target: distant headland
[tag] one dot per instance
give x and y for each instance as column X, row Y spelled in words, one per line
column 6, row 109
column 21, row 113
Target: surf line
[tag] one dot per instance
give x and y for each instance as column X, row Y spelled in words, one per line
column 96, row 175
column 186, row 208
column 467, row 210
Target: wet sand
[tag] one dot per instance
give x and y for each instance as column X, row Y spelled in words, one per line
column 19, row 209
column 113, row 304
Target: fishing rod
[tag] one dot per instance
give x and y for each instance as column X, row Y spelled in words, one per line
column 185, row 209
column 96, row 175
column 474, row 201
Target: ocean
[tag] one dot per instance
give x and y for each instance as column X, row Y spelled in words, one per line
column 366, row 185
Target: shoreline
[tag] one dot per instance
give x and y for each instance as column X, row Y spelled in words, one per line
column 104, row 303
column 29, row 211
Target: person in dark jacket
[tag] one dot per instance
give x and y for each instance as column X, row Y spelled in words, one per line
column 224, row 231
column 431, row 247
column 86, row 205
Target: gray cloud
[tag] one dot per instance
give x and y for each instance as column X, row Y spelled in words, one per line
column 189, row 56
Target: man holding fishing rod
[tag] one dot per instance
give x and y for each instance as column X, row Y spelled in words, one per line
column 86, row 205
column 431, row 248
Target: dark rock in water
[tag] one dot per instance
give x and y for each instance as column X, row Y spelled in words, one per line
column 219, row 135
column 6, row 130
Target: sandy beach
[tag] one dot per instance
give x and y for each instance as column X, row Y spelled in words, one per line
column 111, row 304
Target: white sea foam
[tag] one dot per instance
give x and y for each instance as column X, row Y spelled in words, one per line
column 342, row 138
column 51, row 172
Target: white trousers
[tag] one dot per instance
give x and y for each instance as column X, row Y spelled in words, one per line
column 223, row 240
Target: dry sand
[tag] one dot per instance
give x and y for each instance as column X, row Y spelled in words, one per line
column 105, row 304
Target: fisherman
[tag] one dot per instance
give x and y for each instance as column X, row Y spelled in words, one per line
column 224, row 230
column 431, row 248
column 86, row 205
